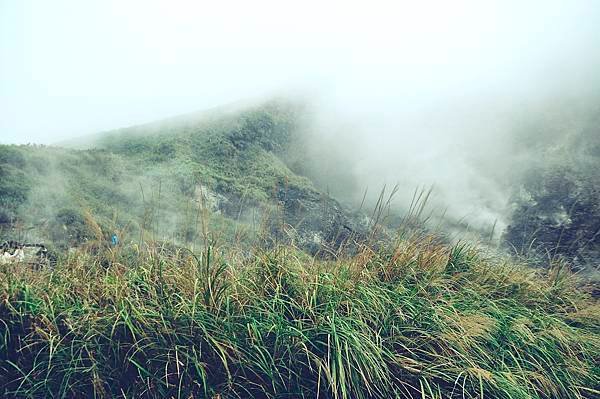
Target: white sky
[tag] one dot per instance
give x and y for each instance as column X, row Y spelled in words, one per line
column 68, row 68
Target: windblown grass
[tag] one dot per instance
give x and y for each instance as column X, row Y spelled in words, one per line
column 419, row 320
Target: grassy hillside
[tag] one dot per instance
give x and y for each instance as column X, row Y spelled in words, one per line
column 415, row 320
column 229, row 280
column 153, row 181
column 243, row 165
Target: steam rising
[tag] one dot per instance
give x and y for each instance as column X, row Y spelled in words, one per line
column 420, row 93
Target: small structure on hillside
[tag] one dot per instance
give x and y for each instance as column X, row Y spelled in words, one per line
column 34, row 255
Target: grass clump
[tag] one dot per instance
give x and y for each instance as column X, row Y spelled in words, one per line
column 419, row 320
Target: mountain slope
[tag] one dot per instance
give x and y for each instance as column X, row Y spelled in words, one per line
column 166, row 179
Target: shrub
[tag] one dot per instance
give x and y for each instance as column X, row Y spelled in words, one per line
column 69, row 228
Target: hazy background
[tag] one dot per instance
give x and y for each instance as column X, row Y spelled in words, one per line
column 419, row 93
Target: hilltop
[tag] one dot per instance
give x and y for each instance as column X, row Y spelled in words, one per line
column 163, row 179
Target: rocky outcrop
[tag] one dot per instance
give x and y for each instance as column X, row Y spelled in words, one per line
column 316, row 222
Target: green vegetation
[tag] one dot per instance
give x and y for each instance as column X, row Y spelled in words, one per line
column 230, row 163
column 418, row 320
column 269, row 306
column 237, row 154
column 14, row 184
column 245, row 164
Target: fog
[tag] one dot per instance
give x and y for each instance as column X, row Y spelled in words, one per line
column 416, row 93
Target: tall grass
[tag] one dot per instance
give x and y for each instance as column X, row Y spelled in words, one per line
column 416, row 320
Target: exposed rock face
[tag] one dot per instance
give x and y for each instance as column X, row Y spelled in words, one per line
column 557, row 215
column 209, row 199
column 316, row 222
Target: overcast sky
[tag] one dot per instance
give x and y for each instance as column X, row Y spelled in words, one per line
column 68, row 68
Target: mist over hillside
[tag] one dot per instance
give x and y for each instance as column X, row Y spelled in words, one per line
column 476, row 101
column 174, row 180
column 492, row 168
column 226, row 255
column 273, row 199
column 282, row 168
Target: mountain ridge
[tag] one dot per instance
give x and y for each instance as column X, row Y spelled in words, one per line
column 236, row 157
